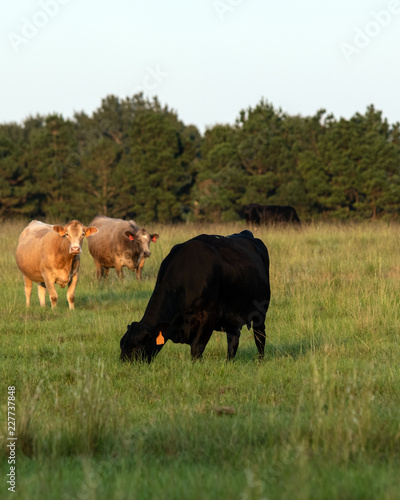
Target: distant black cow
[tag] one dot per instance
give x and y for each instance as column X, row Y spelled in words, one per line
column 270, row 214
column 207, row 283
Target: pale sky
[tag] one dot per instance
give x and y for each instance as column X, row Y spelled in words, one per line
column 206, row 59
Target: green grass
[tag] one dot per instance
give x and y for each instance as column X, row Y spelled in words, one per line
column 319, row 418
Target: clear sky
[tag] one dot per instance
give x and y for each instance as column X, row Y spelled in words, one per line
column 206, row 59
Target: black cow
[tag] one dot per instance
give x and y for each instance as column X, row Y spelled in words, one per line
column 207, row 283
column 270, row 214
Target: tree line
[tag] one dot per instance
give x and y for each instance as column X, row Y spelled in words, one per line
column 133, row 158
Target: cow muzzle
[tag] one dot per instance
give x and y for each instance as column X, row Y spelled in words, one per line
column 75, row 250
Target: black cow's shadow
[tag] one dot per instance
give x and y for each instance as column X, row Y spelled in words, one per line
column 247, row 353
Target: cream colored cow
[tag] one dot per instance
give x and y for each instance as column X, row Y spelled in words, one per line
column 49, row 254
column 119, row 243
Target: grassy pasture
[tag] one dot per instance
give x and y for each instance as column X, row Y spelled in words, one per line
column 319, row 418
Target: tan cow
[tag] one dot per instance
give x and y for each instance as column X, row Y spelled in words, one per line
column 50, row 254
column 119, row 243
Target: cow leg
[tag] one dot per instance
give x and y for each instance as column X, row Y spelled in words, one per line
column 99, row 269
column 204, row 332
column 200, row 342
column 232, row 336
column 52, row 292
column 71, row 291
column 119, row 271
column 259, row 337
column 27, row 290
column 139, row 269
column 42, row 294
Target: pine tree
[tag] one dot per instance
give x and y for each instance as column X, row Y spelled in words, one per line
column 161, row 162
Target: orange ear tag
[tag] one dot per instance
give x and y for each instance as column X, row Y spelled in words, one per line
column 160, row 339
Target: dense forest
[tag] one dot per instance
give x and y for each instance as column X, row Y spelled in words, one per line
column 134, row 158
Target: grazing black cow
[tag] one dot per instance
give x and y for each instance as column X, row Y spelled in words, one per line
column 207, row 283
column 270, row 214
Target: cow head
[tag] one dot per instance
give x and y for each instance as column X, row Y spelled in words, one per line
column 142, row 239
column 140, row 344
column 74, row 232
column 252, row 213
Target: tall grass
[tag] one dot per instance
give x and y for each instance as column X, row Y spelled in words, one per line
column 318, row 418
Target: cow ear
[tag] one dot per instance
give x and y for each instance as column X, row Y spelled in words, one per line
column 91, row 230
column 130, row 235
column 154, row 237
column 60, row 230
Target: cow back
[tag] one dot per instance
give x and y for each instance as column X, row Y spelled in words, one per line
column 270, row 214
column 110, row 242
column 30, row 248
column 222, row 274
